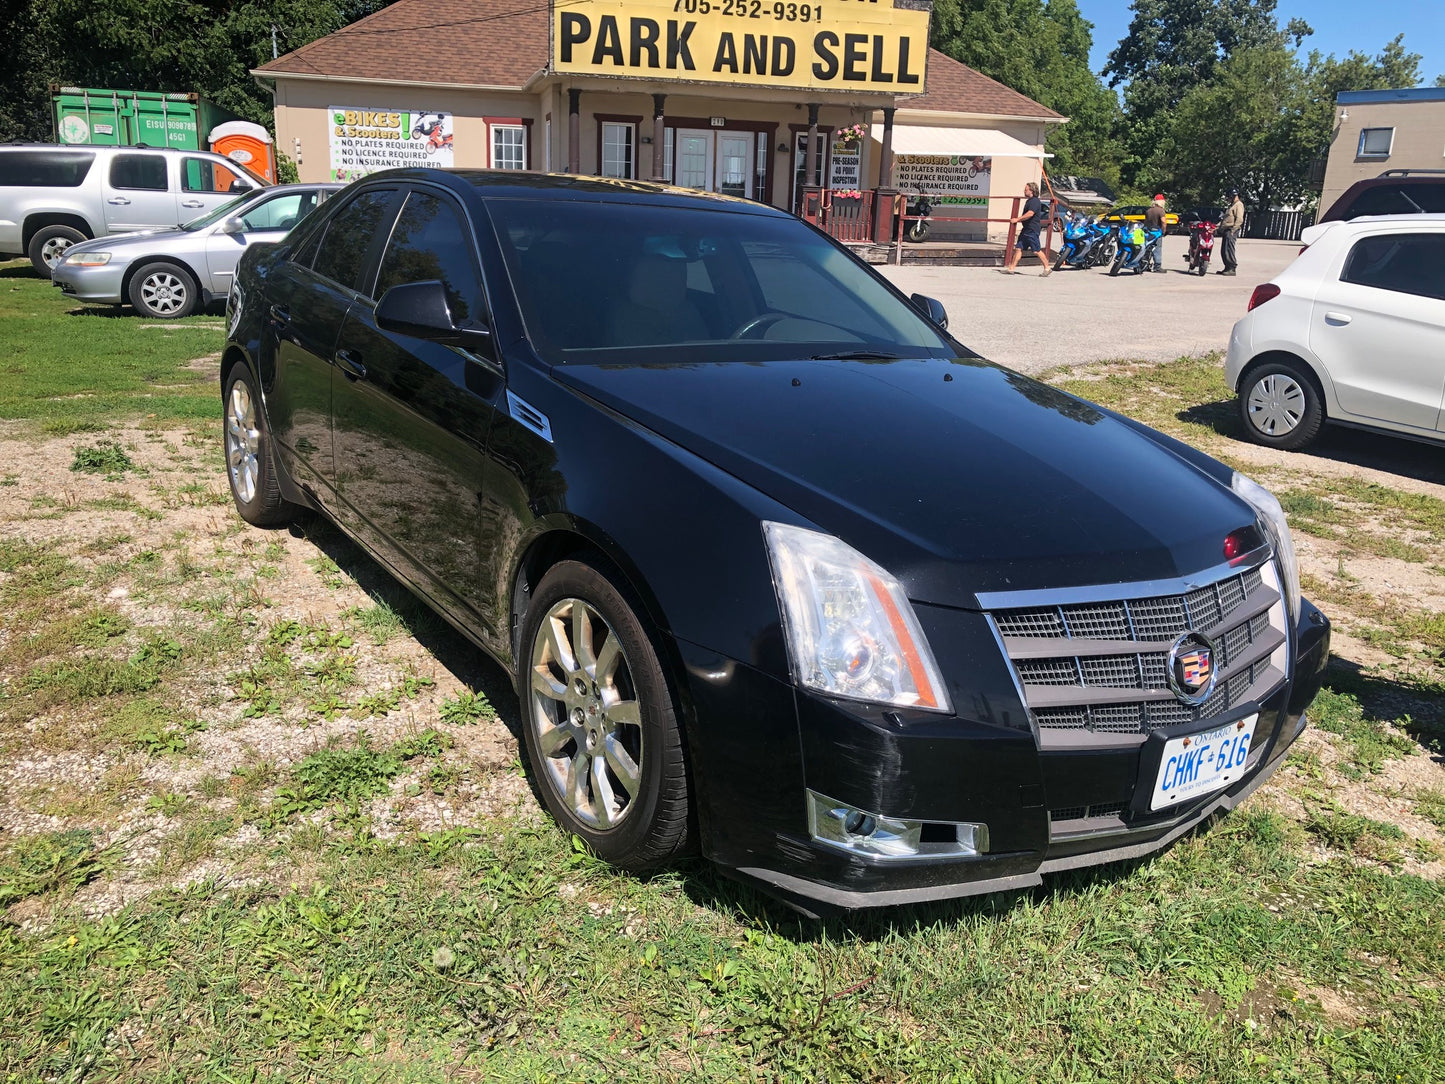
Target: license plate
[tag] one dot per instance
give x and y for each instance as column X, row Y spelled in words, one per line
column 1201, row 763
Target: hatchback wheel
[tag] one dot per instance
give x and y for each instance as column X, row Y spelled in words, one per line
column 600, row 721
column 1280, row 405
column 249, row 462
column 49, row 246
column 164, row 291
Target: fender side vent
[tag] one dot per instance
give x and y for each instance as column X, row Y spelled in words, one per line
column 528, row 415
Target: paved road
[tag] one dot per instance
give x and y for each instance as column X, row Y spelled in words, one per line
column 1032, row 324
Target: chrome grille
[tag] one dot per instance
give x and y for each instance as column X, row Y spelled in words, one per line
column 1101, row 667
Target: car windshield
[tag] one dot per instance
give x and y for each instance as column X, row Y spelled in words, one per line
column 688, row 284
column 225, row 210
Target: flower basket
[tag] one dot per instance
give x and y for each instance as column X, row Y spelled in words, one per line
column 850, row 137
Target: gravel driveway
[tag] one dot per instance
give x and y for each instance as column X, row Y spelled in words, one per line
column 1031, row 324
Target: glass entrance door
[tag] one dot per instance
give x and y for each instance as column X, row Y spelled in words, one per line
column 719, row 161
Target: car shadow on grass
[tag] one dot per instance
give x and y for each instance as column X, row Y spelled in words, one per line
column 19, row 271
column 1363, row 448
column 1418, row 710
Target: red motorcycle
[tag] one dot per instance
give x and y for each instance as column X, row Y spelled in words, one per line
column 1201, row 246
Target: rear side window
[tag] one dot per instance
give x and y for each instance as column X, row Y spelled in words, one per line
column 349, row 234
column 1392, row 199
column 142, row 172
column 44, row 169
column 1405, row 263
column 431, row 241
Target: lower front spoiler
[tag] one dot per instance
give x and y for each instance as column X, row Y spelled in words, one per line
column 810, row 896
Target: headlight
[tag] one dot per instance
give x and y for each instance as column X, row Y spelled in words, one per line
column 1272, row 514
column 850, row 629
column 87, row 259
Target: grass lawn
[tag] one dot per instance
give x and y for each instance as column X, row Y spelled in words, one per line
column 263, row 816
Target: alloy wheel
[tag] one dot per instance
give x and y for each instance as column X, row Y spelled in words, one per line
column 243, row 442
column 1276, row 404
column 164, row 293
column 586, row 717
column 54, row 250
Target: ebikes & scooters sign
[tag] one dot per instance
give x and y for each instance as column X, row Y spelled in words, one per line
column 366, row 140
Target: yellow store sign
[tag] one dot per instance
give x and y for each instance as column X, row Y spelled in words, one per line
column 858, row 45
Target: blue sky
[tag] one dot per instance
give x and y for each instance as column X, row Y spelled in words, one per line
column 1338, row 24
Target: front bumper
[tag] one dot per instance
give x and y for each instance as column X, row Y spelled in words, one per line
column 988, row 770
column 102, row 285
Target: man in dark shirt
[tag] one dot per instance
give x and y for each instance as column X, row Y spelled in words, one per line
column 1031, row 222
column 1155, row 218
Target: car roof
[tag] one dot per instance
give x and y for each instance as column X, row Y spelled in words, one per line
column 514, row 184
column 1366, row 223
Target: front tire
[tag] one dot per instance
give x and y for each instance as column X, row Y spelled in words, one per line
column 164, row 291
column 250, row 464
column 1059, row 261
column 1280, row 405
column 1116, row 265
column 600, row 721
column 49, row 246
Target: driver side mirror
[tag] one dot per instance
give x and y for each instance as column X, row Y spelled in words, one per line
column 420, row 309
column 932, row 308
column 233, row 226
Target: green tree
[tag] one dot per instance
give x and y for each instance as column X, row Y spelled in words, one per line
column 1040, row 49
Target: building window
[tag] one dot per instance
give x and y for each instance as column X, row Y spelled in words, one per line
column 1375, row 142
column 508, row 139
column 617, row 143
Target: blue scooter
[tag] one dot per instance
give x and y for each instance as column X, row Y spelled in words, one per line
column 1087, row 243
column 1136, row 249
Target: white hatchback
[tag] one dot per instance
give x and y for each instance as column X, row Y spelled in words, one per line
column 1352, row 332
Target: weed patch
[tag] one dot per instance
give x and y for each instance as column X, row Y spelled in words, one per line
column 107, row 458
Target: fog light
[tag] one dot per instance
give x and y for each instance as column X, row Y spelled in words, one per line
column 858, row 831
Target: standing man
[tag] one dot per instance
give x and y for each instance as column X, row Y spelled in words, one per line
column 1155, row 218
column 1229, row 225
column 1030, row 223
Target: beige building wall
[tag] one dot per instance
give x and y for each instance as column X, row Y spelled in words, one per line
column 1419, row 142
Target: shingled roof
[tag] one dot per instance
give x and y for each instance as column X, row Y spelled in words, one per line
column 503, row 43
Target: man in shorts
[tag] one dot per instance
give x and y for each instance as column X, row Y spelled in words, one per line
column 1030, row 222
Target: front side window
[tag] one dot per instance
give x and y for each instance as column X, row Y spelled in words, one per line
column 280, row 213
column 1375, row 142
column 431, row 241
column 1406, row 263
column 199, row 175
column 138, row 172
column 617, row 142
column 509, row 146
column 349, row 234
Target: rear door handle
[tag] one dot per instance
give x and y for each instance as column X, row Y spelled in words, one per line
column 350, row 364
column 1338, row 318
column 192, row 203
column 119, row 201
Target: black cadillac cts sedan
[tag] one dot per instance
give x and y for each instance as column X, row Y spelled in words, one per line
column 784, row 573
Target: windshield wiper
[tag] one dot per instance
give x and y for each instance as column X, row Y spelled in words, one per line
column 857, row 355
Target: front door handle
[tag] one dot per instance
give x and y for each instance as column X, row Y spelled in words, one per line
column 192, row 203
column 280, row 315
column 1338, row 318
column 119, row 201
column 350, row 364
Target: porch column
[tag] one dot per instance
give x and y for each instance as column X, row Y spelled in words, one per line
column 810, row 163
column 574, row 131
column 885, row 160
column 659, row 137
column 884, row 226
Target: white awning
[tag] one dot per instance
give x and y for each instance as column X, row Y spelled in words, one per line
column 979, row 142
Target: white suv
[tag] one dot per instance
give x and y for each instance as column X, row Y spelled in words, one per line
column 1352, row 332
column 52, row 196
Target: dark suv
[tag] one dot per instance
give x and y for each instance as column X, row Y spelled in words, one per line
column 783, row 573
column 1394, row 192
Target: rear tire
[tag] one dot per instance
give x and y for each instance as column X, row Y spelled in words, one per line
column 250, row 464
column 49, row 245
column 1280, row 405
column 164, row 291
column 600, row 721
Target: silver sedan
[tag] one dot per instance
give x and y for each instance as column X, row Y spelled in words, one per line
column 171, row 273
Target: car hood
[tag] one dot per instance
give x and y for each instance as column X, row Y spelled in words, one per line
column 958, row 476
column 128, row 244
